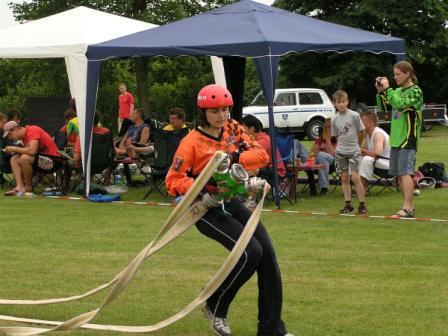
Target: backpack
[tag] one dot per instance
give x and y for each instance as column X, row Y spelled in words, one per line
column 434, row 170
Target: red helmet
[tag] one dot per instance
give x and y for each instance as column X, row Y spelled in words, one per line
column 214, row 96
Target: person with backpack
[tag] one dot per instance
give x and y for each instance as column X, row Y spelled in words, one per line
column 405, row 103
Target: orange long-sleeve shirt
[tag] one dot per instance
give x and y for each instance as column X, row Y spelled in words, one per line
column 197, row 148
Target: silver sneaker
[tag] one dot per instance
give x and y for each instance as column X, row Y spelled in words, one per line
column 218, row 324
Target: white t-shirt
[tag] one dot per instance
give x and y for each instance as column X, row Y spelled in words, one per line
column 386, row 145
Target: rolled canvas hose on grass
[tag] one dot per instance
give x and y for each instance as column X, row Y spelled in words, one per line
column 184, row 215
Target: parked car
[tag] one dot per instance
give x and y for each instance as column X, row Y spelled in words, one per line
column 302, row 111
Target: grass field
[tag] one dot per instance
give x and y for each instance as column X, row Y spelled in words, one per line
column 341, row 276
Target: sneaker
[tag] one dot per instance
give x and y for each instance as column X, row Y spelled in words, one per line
column 324, row 191
column 362, row 211
column 346, row 210
column 218, row 324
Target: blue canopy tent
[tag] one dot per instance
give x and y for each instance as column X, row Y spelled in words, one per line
column 243, row 29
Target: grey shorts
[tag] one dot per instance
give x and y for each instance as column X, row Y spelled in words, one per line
column 344, row 162
column 402, row 161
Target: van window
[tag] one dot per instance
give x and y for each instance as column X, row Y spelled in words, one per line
column 284, row 99
column 310, row 98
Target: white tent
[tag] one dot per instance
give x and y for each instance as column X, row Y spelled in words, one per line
column 67, row 35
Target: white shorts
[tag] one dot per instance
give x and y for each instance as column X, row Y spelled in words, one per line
column 366, row 166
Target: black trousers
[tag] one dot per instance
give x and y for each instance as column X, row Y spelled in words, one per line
column 225, row 226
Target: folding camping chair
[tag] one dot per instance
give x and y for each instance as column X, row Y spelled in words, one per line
column 54, row 175
column 382, row 179
column 287, row 187
column 153, row 125
column 333, row 176
column 102, row 163
column 165, row 146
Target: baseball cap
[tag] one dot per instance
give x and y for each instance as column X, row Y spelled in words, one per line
column 9, row 126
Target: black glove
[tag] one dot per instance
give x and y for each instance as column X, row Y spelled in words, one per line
column 235, row 157
column 243, row 146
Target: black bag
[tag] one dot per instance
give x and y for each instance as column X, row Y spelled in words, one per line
column 434, row 170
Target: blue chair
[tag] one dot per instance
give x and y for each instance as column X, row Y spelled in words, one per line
column 287, row 187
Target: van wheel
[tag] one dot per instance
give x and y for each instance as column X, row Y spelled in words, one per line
column 313, row 128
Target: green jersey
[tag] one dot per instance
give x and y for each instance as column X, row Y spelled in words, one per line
column 405, row 108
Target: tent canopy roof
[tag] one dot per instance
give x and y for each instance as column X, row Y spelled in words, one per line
column 65, row 33
column 249, row 29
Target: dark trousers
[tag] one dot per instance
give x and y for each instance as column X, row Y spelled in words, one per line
column 225, row 226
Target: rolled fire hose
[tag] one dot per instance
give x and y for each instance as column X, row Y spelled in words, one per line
column 176, row 214
column 182, row 217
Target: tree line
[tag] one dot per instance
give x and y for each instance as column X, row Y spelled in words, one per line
column 160, row 83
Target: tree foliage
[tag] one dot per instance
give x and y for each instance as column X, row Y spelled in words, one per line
column 172, row 81
column 422, row 23
column 175, row 81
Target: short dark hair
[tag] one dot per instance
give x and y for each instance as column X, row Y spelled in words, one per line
column 371, row 115
column 252, row 121
column 178, row 112
column 69, row 114
column 141, row 111
column 13, row 113
column 361, row 107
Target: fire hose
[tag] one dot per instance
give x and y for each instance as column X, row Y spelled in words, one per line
column 184, row 215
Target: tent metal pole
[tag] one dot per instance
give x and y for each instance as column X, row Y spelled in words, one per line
column 272, row 133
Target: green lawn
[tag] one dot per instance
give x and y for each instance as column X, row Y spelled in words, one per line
column 341, row 275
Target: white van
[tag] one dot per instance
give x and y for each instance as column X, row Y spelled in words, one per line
column 303, row 111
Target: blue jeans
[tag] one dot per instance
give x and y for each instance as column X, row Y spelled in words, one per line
column 327, row 160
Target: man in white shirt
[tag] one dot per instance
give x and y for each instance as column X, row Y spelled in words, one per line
column 376, row 149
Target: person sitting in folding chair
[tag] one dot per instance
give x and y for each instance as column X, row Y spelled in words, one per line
column 136, row 139
column 176, row 117
column 97, row 130
column 70, row 139
column 324, row 149
column 376, row 149
column 102, row 154
column 39, row 152
column 254, row 128
column 155, row 168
